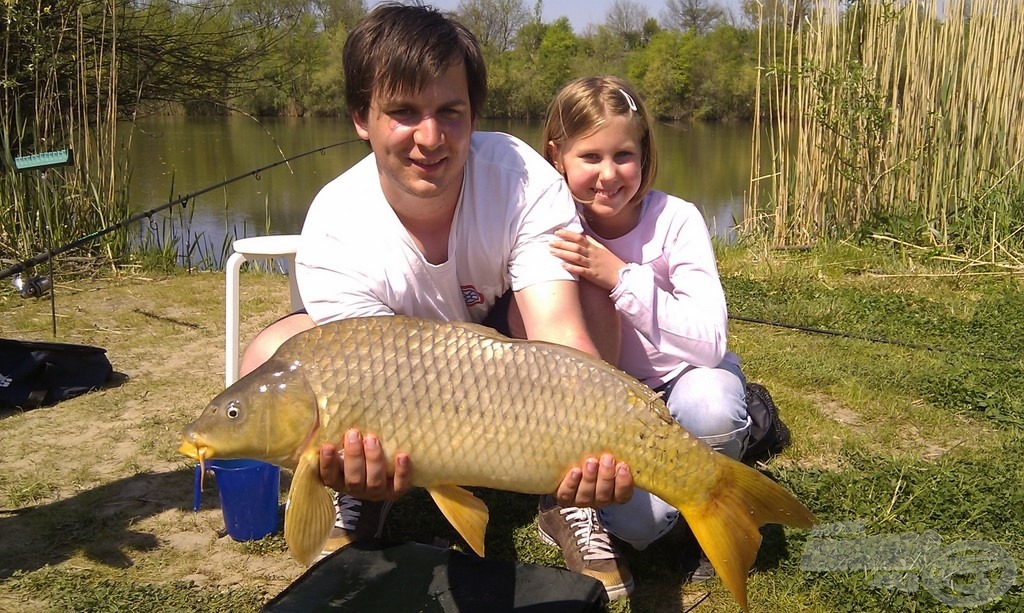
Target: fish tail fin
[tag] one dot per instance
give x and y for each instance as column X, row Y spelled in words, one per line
column 467, row 513
column 309, row 514
column 726, row 522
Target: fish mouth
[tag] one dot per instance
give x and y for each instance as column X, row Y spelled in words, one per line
column 197, row 453
column 194, row 451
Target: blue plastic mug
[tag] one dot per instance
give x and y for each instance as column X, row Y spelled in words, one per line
column 249, row 492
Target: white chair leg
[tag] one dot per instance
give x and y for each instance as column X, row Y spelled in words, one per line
column 293, row 285
column 231, row 300
column 273, row 246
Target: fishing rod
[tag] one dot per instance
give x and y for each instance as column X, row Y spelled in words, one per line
column 182, row 200
column 873, row 339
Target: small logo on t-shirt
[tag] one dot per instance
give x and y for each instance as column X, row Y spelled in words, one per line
column 471, row 296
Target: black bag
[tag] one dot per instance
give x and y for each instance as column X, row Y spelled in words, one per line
column 370, row 576
column 768, row 435
column 40, row 374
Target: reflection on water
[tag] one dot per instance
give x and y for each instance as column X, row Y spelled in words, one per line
column 172, row 157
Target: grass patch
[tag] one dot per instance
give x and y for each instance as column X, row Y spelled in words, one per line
column 74, row 590
column 953, row 342
column 965, row 501
column 27, row 492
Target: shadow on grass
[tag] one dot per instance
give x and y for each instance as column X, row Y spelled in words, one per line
column 97, row 522
column 774, row 548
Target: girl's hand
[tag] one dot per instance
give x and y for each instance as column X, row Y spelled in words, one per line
column 584, row 256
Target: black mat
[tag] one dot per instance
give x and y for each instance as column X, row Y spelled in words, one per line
column 416, row 577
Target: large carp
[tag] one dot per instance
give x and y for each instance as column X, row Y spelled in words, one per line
column 474, row 408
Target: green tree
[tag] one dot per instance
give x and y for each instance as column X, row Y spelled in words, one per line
column 199, row 55
column 98, row 58
column 725, row 77
column 558, row 52
column 302, row 66
column 541, row 62
column 602, row 52
column 662, row 72
column 651, row 27
column 290, row 33
column 334, row 13
column 326, row 96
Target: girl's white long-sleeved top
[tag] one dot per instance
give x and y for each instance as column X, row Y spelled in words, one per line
column 669, row 295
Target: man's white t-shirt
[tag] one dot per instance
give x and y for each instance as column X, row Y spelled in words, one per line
column 356, row 259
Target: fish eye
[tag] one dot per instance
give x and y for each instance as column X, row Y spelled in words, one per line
column 233, row 409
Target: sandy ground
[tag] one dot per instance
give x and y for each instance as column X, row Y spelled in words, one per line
column 96, row 482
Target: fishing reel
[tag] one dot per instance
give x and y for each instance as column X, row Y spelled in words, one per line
column 35, row 287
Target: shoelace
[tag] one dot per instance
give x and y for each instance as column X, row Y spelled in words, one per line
column 592, row 540
column 348, row 512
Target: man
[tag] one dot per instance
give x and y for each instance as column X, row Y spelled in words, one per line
column 440, row 222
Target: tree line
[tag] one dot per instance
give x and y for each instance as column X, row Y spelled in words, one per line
column 283, row 57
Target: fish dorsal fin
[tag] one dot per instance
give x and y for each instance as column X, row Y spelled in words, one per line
column 467, row 513
column 480, row 329
column 309, row 514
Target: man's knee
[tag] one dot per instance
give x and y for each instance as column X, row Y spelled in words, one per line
column 271, row 338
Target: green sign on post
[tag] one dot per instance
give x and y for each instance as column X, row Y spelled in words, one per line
column 43, row 161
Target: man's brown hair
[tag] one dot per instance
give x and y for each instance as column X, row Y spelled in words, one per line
column 397, row 49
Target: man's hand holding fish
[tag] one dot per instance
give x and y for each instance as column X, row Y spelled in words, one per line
column 366, row 473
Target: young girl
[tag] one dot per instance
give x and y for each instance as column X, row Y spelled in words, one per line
column 652, row 254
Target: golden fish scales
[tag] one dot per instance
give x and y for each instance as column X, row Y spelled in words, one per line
column 522, row 405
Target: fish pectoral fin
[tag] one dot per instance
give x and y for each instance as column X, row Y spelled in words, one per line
column 467, row 513
column 309, row 514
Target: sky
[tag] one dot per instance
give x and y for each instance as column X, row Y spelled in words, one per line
column 581, row 13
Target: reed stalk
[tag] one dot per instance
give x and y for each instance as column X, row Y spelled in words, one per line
column 900, row 117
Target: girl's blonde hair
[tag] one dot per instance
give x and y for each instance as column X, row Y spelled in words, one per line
column 583, row 105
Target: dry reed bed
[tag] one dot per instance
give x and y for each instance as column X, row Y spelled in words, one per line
column 892, row 110
column 55, row 108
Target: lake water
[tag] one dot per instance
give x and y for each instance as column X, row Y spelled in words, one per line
column 172, row 157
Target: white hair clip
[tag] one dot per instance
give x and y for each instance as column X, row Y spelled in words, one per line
column 629, row 100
